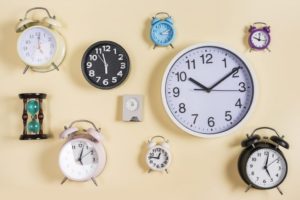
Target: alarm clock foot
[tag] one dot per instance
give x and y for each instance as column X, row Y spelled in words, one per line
column 55, row 66
column 248, row 188
column 64, row 180
column 171, row 45
column 150, row 170
column 166, row 170
column 268, row 50
column 94, row 181
column 26, row 68
column 154, row 46
column 279, row 190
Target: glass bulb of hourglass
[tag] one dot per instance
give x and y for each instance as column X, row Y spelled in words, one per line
column 33, row 126
column 33, row 107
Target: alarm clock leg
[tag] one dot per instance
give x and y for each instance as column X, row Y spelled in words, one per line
column 172, row 46
column 154, row 46
column 150, row 170
column 94, row 181
column 268, row 50
column 248, row 188
column 64, row 180
column 279, row 190
column 26, row 68
column 55, row 66
column 166, row 170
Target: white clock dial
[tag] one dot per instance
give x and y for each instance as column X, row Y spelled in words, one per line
column 207, row 90
column 260, row 39
column 158, row 158
column 266, row 168
column 79, row 160
column 37, row 46
column 132, row 104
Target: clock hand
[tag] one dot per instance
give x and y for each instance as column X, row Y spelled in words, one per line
column 268, row 172
column 199, row 84
column 80, row 156
column 225, row 77
column 258, row 39
column 86, row 154
column 197, row 89
column 152, row 157
column 105, row 64
column 272, row 162
column 266, row 164
column 165, row 32
column 158, row 157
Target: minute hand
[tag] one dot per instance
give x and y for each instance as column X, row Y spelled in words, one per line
column 225, row 77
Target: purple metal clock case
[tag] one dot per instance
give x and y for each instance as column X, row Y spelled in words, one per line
column 253, row 29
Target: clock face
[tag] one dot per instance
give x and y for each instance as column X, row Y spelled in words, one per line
column 266, row 168
column 259, row 39
column 158, row 158
column 79, row 160
column 162, row 33
column 207, row 90
column 36, row 46
column 132, row 104
column 105, row 64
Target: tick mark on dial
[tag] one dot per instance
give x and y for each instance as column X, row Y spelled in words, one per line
column 245, row 107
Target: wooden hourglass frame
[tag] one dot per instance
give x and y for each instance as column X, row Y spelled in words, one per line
column 32, row 116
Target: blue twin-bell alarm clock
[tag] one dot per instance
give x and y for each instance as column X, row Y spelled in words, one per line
column 162, row 30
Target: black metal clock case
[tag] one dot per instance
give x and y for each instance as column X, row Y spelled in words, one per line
column 255, row 142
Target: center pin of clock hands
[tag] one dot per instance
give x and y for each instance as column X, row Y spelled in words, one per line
column 208, row 90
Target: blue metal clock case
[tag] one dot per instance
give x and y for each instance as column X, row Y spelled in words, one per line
column 157, row 26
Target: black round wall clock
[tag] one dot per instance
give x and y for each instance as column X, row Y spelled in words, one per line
column 105, row 64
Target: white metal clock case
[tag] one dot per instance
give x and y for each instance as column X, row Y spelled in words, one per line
column 40, row 46
column 208, row 90
column 158, row 157
column 261, row 164
column 83, row 156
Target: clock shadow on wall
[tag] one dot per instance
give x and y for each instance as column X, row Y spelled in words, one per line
column 74, row 66
column 154, row 88
column 231, row 168
column 146, row 33
column 48, row 160
column 8, row 50
column 245, row 39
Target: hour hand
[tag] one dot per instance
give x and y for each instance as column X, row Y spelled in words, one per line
column 199, row 84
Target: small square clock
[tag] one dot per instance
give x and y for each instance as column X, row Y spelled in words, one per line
column 132, row 108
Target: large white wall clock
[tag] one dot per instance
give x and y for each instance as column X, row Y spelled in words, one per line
column 208, row 90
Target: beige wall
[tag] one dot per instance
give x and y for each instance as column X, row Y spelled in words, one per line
column 202, row 168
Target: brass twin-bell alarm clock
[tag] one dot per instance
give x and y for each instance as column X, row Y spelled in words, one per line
column 40, row 46
column 83, row 156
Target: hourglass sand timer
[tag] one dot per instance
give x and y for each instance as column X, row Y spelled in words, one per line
column 33, row 116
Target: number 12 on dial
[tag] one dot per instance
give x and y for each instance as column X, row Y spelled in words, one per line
column 207, row 90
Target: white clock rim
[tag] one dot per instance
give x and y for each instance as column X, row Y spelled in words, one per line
column 100, row 152
column 52, row 60
column 218, row 45
column 166, row 166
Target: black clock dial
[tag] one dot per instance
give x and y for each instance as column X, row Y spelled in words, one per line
column 105, row 64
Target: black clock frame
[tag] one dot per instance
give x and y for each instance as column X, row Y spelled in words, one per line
column 87, row 53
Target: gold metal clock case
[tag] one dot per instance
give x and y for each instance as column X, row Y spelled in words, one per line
column 40, row 46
